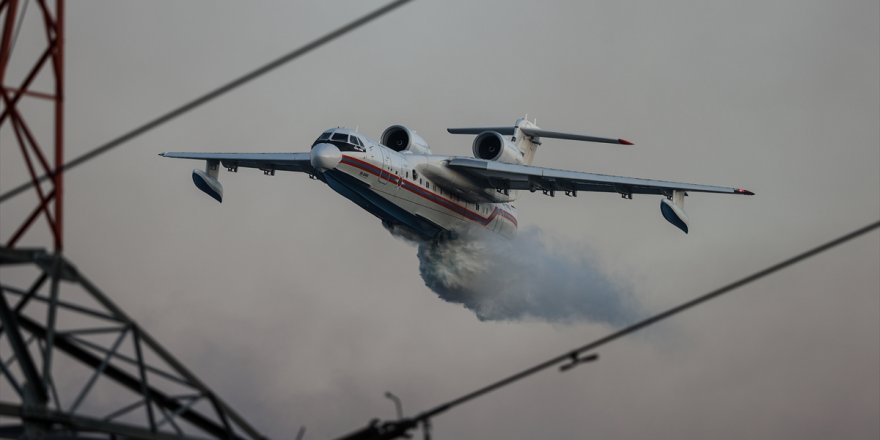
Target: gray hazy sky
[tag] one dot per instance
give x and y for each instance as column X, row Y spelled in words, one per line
column 299, row 308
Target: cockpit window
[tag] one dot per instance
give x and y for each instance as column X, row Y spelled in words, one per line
column 342, row 141
column 324, row 137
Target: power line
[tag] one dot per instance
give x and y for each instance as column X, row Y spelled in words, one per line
column 397, row 429
column 327, row 38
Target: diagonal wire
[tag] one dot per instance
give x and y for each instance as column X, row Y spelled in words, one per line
column 321, row 41
column 574, row 354
column 400, row 428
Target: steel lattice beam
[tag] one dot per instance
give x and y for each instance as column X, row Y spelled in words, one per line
column 50, row 203
column 43, row 408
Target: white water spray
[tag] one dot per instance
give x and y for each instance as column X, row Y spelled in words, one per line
column 523, row 278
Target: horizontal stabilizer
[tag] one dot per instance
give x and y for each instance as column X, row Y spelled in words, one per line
column 507, row 131
column 537, row 132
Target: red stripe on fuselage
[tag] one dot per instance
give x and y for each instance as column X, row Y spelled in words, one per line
column 433, row 197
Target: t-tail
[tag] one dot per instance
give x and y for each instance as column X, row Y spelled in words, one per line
column 519, row 143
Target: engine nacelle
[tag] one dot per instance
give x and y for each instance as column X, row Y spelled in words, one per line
column 490, row 145
column 402, row 139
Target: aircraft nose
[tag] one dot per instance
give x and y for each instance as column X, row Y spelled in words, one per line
column 325, row 157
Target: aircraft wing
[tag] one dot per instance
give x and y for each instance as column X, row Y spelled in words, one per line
column 504, row 176
column 264, row 161
column 209, row 180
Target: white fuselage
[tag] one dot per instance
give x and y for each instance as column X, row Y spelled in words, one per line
column 416, row 191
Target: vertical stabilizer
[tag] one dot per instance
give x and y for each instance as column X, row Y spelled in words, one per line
column 528, row 145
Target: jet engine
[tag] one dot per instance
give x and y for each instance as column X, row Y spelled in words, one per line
column 400, row 138
column 491, row 145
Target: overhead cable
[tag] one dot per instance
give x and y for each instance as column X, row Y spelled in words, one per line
column 583, row 354
column 321, row 41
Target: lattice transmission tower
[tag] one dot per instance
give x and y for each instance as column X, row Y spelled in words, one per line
column 72, row 363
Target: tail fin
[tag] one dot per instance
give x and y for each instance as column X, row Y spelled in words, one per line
column 526, row 144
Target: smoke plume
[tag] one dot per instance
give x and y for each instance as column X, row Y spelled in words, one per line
column 523, row 278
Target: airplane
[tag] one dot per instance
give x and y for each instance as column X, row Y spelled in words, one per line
column 433, row 197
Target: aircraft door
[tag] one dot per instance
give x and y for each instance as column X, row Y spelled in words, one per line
column 384, row 169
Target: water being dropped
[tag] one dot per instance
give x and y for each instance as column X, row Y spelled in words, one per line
column 525, row 277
